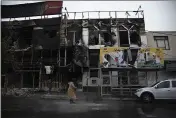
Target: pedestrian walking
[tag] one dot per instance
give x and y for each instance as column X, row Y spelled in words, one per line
column 72, row 92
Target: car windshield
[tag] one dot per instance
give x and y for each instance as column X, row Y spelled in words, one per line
column 154, row 84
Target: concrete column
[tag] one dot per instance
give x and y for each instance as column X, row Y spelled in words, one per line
column 85, row 36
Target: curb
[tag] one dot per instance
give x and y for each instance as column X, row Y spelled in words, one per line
column 120, row 99
column 62, row 97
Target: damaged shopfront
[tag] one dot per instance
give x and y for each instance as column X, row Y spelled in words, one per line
column 33, row 47
column 107, row 54
column 119, row 60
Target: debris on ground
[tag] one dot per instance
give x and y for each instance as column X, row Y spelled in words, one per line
column 19, row 92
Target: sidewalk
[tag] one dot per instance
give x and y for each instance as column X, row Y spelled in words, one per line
column 83, row 96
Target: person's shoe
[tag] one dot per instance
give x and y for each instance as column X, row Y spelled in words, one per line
column 72, row 102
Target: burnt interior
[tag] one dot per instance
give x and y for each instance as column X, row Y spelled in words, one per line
column 135, row 38
column 45, row 32
column 25, row 39
column 93, row 37
column 94, row 73
column 46, row 38
column 124, row 39
column 93, row 58
column 107, row 38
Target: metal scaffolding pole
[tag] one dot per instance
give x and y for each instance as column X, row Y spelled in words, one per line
column 58, row 54
column 33, row 80
column 40, row 73
column 32, row 56
column 65, row 59
column 22, row 80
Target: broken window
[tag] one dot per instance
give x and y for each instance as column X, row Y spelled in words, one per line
column 25, row 37
column 135, row 38
column 94, row 73
column 124, row 39
column 78, row 35
column 70, row 37
column 93, row 38
column 94, row 58
column 27, row 81
column 107, row 38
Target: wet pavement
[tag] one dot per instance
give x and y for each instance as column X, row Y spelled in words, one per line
column 43, row 108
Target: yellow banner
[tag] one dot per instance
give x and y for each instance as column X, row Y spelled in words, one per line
column 146, row 57
column 107, row 50
column 154, row 53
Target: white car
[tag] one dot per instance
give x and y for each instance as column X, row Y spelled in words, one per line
column 161, row 90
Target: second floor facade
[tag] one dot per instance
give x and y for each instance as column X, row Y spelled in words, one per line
column 165, row 40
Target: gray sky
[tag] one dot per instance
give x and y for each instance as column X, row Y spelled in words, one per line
column 159, row 15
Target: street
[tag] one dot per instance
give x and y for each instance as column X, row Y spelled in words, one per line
column 43, row 108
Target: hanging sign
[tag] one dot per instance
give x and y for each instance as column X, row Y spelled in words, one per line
column 113, row 57
column 150, row 57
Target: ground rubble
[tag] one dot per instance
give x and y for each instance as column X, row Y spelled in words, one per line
column 17, row 92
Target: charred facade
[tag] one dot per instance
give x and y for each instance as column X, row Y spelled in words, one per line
column 72, row 47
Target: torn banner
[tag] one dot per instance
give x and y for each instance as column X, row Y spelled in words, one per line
column 113, row 57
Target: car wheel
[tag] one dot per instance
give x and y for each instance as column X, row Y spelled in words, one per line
column 147, row 97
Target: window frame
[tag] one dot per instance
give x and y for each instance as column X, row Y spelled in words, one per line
column 166, row 38
column 163, row 82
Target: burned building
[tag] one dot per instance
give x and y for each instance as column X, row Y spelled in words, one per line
column 118, row 59
column 109, row 54
column 34, row 44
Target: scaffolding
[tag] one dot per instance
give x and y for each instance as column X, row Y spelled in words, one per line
column 37, row 58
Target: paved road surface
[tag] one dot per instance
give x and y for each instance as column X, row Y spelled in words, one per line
column 42, row 108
